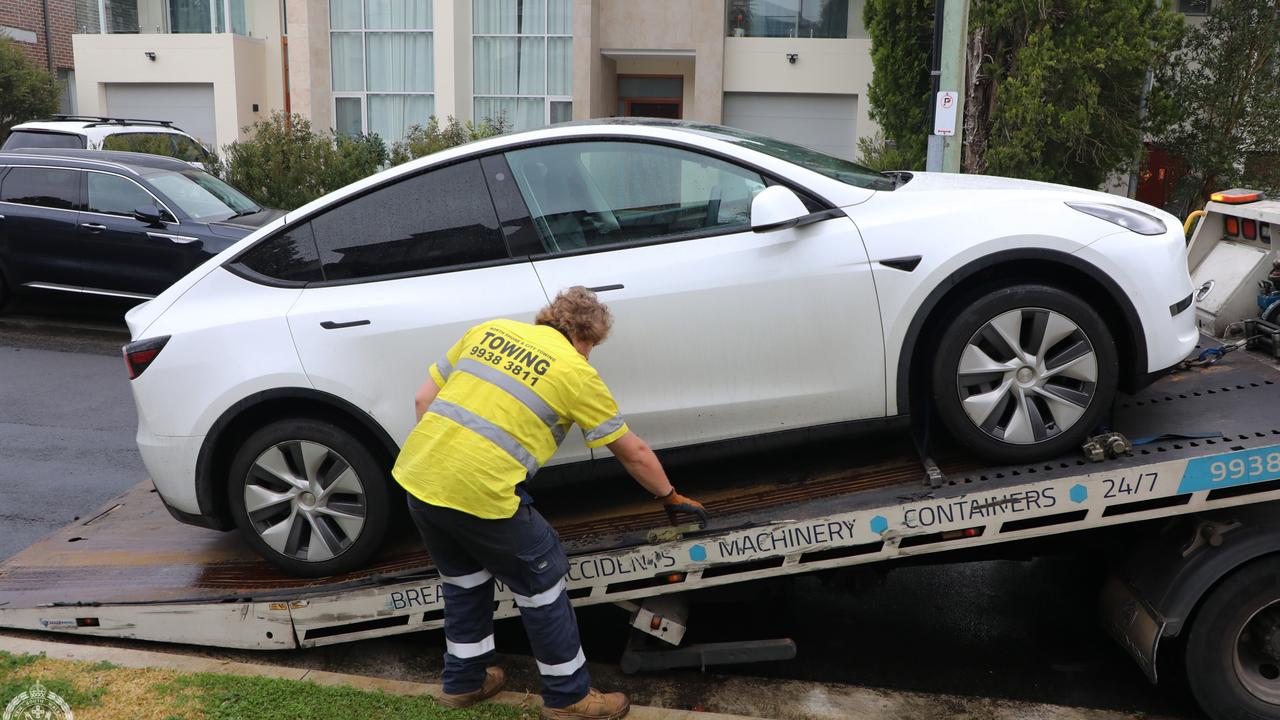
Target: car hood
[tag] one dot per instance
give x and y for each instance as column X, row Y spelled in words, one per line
column 930, row 181
column 237, row 228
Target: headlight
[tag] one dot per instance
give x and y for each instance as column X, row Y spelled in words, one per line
column 1127, row 218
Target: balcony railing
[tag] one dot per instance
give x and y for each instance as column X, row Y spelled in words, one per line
column 162, row 16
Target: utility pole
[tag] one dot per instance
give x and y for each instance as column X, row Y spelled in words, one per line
column 950, row 46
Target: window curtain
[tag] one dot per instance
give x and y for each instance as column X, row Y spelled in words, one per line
column 348, row 115
column 391, row 116
column 510, row 66
column 344, row 14
column 348, row 65
column 521, row 113
column 397, row 14
column 560, row 17
column 559, row 66
column 398, row 62
column 510, row 17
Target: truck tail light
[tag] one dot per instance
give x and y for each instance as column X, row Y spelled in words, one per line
column 1250, row 229
column 1232, row 225
column 139, row 355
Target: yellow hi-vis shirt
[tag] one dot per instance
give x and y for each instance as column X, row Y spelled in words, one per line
column 508, row 393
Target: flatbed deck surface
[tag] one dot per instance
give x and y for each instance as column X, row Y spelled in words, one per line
column 132, row 551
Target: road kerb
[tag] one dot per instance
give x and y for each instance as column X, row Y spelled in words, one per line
column 130, row 658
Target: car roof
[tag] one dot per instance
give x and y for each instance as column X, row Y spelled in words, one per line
column 80, row 125
column 138, row 163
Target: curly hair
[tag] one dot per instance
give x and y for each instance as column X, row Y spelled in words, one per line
column 578, row 315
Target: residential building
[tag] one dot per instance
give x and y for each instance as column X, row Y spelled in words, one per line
column 43, row 28
column 796, row 69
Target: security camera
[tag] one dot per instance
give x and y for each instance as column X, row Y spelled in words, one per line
column 152, row 56
column 793, row 57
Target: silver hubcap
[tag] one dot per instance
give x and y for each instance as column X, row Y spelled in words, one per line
column 1027, row 375
column 1257, row 660
column 305, row 501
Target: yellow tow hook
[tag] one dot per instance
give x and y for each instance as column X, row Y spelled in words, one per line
column 1186, row 226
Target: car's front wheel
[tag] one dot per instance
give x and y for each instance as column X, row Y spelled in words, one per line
column 309, row 497
column 1024, row 372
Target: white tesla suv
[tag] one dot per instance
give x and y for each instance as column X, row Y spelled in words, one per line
column 757, row 288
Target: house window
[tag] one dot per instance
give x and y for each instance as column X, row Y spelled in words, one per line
column 523, row 61
column 383, row 66
column 162, row 16
column 791, row 18
column 1193, row 7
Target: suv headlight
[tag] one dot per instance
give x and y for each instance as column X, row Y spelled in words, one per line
column 1127, row 218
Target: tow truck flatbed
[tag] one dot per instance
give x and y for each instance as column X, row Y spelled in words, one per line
column 131, row 571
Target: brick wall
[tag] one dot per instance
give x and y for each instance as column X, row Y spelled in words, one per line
column 29, row 15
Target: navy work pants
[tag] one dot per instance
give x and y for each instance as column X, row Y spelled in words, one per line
column 523, row 552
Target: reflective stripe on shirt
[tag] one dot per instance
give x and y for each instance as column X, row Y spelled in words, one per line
column 604, row 429
column 486, row 430
column 512, row 387
column 444, row 366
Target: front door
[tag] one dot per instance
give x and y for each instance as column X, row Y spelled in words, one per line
column 655, row 96
column 40, row 207
column 124, row 255
column 719, row 332
column 408, row 268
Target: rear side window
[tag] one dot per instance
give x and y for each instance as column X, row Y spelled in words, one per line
column 167, row 144
column 433, row 221
column 42, row 187
column 290, row 256
column 19, row 139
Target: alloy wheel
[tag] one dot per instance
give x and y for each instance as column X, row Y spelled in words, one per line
column 305, row 501
column 1257, row 658
column 1027, row 375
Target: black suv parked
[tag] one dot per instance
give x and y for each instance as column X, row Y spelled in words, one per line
column 112, row 223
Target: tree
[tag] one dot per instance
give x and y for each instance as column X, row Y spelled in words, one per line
column 1225, row 89
column 901, row 34
column 1054, row 87
column 27, row 91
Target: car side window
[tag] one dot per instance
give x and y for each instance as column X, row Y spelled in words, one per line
column 594, row 194
column 290, row 256
column 436, row 220
column 115, row 195
column 42, row 187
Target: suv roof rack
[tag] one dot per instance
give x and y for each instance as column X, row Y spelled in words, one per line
column 95, row 120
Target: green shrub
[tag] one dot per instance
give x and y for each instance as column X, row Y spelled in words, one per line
column 424, row 140
column 879, row 154
column 27, row 92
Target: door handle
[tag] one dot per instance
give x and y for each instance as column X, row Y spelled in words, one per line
column 93, row 227
column 331, row 325
column 179, row 239
column 606, row 288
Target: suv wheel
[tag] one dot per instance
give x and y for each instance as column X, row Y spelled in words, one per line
column 1024, row 373
column 309, row 497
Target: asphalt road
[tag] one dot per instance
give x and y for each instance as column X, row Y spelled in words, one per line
column 1016, row 630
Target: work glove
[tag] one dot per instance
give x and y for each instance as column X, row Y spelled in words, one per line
column 673, row 502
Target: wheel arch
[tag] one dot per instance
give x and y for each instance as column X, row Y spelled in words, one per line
column 244, row 417
column 1052, row 267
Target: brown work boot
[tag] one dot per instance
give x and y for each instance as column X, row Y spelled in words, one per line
column 494, row 679
column 595, row 706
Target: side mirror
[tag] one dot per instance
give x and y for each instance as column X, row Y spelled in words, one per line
column 149, row 215
column 776, row 208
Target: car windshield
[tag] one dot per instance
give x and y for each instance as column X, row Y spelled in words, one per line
column 154, row 143
column 19, row 139
column 845, row 171
column 202, row 196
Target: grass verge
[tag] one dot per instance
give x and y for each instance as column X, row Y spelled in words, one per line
column 102, row 691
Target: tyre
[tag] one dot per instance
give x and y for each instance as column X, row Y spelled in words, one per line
column 309, row 497
column 1024, row 373
column 1233, row 648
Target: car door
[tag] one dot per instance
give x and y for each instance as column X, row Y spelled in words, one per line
column 408, row 268
column 719, row 332
column 39, row 207
column 126, row 256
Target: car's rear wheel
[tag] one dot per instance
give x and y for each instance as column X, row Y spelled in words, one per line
column 309, row 497
column 1024, row 372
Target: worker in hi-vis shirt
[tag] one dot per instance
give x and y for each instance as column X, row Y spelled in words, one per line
column 493, row 411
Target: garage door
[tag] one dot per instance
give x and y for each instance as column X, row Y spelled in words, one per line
column 187, row 105
column 822, row 122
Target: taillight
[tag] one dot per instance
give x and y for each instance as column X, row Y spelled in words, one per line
column 139, row 355
column 1233, row 225
column 1250, row 229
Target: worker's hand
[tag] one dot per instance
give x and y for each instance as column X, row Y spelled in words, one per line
column 673, row 502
